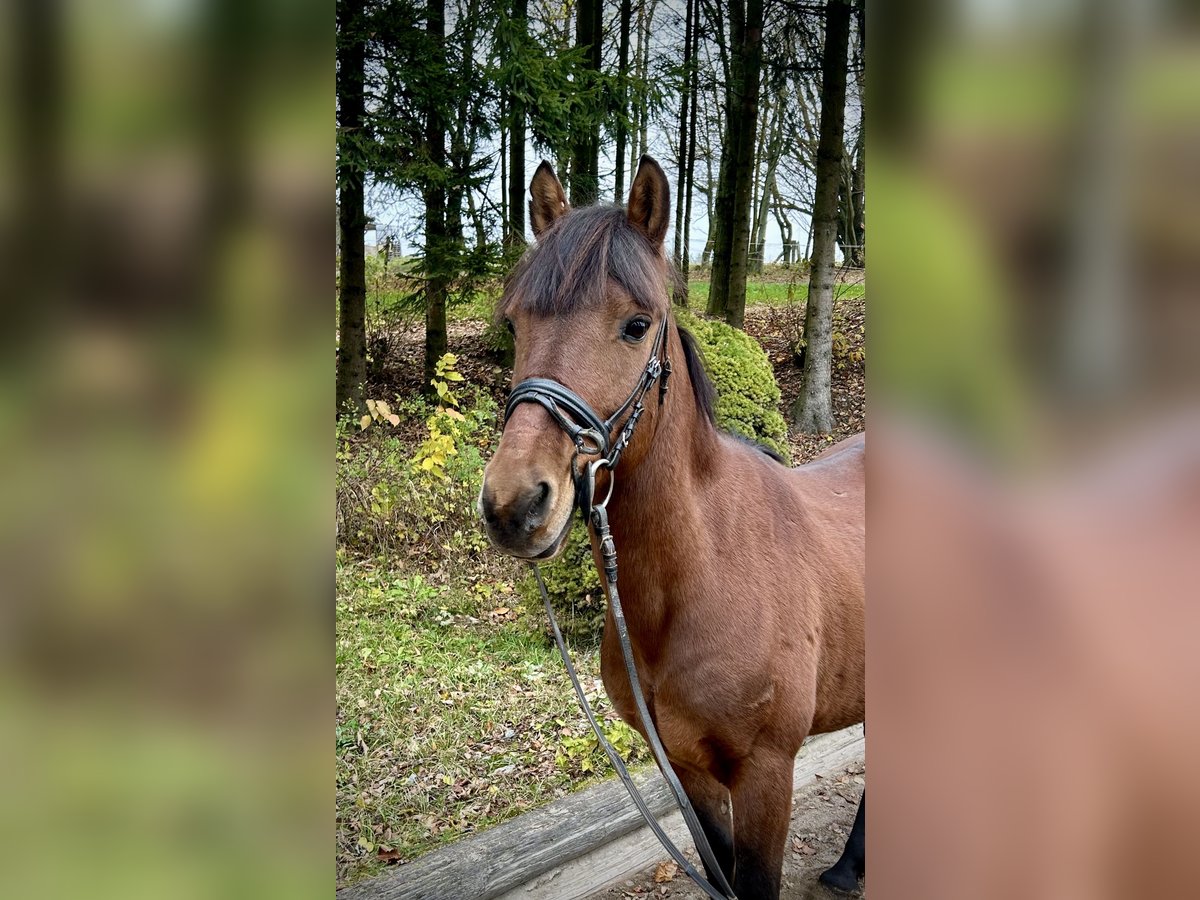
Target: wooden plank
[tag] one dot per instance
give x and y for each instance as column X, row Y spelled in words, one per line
column 613, row 862
column 485, row 865
column 626, row 856
column 570, row 847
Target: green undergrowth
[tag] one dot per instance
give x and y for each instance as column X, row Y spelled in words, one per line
column 454, row 711
column 452, row 715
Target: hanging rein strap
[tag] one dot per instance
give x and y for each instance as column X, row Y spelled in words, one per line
column 724, row 892
column 592, row 436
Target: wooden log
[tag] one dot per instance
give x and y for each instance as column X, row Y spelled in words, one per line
column 572, row 847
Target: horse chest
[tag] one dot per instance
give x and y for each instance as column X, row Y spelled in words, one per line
column 673, row 710
column 616, row 685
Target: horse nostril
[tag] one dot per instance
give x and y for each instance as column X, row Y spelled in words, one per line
column 487, row 506
column 538, row 505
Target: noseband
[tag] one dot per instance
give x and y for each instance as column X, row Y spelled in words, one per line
column 593, row 436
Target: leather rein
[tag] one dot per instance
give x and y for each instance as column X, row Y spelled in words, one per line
column 594, row 436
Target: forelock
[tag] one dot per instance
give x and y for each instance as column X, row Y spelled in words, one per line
column 573, row 261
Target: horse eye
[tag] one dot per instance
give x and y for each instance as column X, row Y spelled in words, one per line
column 509, row 325
column 635, row 329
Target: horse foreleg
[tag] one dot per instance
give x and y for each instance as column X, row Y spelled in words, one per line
column 710, row 799
column 852, row 866
column 762, row 805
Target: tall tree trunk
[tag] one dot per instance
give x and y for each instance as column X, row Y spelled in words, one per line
column 770, row 147
column 352, row 219
column 515, row 232
column 813, row 409
column 760, row 226
column 844, row 239
column 622, row 99
column 706, row 255
column 477, row 221
column 722, row 226
column 758, row 183
column 858, row 199
column 691, row 153
column 784, row 223
column 751, row 66
column 681, row 156
column 644, row 118
column 585, row 161
column 638, row 94
column 505, row 222
column 437, row 262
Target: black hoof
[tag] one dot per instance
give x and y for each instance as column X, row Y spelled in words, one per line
column 840, row 879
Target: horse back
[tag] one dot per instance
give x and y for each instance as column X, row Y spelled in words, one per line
column 837, row 475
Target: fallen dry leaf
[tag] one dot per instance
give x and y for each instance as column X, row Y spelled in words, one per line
column 665, row 871
column 804, row 849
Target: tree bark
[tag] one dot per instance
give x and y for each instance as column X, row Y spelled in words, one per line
column 769, row 152
column 638, row 94
column 437, row 262
column 751, row 65
column 706, row 254
column 681, row 155
column 623, row 99
column 644, row 118
column 691, row 154
column 585, row 156
column 722, row 255
column 813, row 409
column 515, row 232
column 858, row 199
column 352, row 220
column 785, row 225
column 757, row 184
column 505, row 221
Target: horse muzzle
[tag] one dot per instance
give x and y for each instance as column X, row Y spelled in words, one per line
column 528, row 520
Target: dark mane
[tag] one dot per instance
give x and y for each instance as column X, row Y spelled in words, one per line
column 702, row 386
column 573, row 261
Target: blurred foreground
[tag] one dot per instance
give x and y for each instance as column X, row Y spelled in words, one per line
column 165, row 237
column 1034, row 516
column 165, row 533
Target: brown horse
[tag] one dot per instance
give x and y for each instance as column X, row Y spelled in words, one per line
column 742, row 580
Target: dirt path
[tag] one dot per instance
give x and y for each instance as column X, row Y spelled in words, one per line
column 822, row 814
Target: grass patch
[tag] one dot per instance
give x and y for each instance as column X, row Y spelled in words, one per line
column 771, row 293
column 452, row 715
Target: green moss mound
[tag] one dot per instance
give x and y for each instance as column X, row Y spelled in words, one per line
column 747, row 393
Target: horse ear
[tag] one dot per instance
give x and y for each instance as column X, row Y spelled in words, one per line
column 547, row 199
column 650, row 201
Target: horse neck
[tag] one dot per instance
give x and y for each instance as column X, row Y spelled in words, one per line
column 654, row 513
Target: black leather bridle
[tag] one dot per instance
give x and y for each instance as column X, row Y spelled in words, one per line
column 594, row 436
